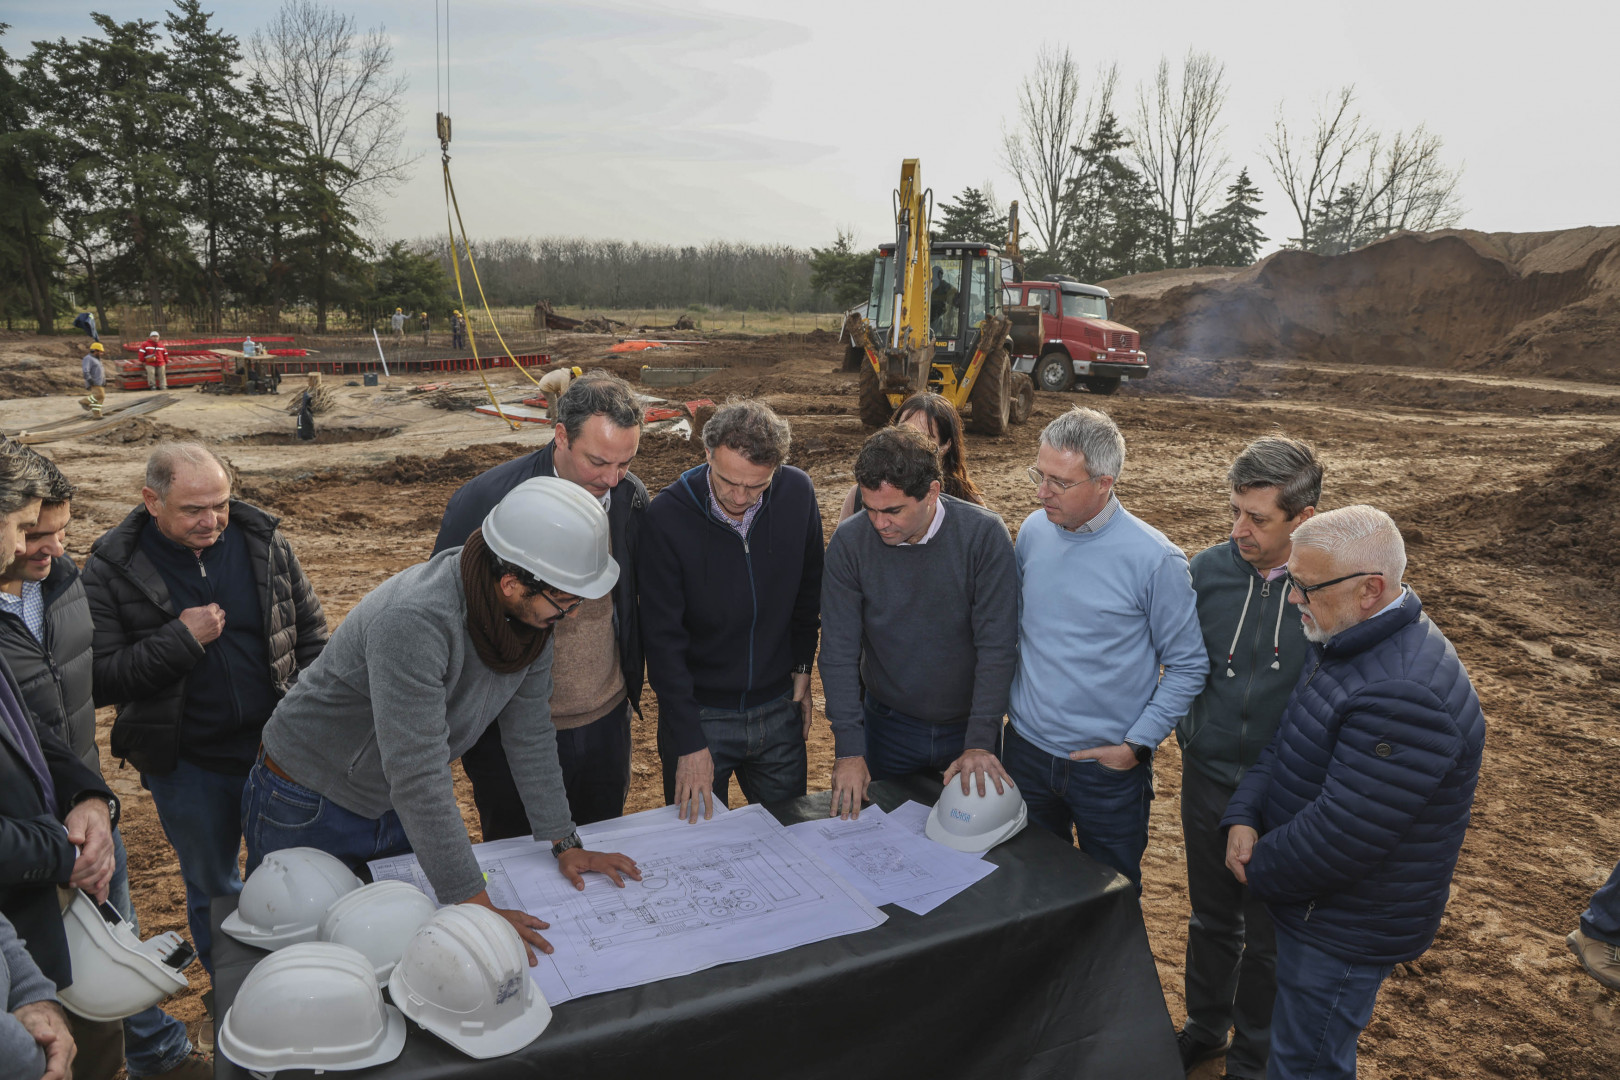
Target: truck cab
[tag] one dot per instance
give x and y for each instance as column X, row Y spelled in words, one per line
column 965, row 289
column 1076, row 340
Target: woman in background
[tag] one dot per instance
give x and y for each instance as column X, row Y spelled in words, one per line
column 932, row 415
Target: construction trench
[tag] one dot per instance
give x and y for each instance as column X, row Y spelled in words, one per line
column 1490, row 431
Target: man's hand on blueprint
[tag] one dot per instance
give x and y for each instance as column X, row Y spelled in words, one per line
column 577, row 862
column 527, row 926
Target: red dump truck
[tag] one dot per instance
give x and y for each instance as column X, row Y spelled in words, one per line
column 1062, row 336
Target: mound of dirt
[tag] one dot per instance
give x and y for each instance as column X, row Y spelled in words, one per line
column 1525, row 303
column 33, row 367
column 453, row 465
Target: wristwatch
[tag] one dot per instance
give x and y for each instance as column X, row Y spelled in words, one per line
column 1144, row 754
column 113, row 805
column 801, row 669
column 567, row 843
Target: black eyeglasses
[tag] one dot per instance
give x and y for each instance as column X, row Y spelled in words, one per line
column 562, row 612
column 1306, row 590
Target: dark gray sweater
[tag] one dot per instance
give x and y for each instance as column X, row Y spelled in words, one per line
column 932, row 628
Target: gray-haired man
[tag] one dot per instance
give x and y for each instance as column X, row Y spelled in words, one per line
column 730, row 578
column 1255, row 652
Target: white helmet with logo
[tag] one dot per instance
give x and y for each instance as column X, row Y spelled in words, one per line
column 557, row 531
column 465, row 978
column 115, row 974
column 314, row 1005
column 975, row 822
column 378, row 920
column 283, row 900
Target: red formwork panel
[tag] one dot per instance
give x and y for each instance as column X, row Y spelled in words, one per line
column 184, row 369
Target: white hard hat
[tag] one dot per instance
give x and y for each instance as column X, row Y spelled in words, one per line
column 378, row 920
column 283, row 900
column 465, row 978
column 115, row 974
column 153, row 334
column 557, row 531
column 975, row 822
column 314, row 1005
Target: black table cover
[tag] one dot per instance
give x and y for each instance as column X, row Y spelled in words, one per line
column 1042, row 969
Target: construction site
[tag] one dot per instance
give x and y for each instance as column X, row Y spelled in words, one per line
column 1469, row 384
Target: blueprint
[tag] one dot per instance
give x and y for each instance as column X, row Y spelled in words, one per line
column 889, row 862
column 732, row 888
column 912, row 816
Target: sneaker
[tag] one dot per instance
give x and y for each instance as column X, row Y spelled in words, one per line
column 1193, row 1049
column 197, row 1065
column 1600, row 959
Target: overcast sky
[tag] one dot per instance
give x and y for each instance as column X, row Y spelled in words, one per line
column 782, row 121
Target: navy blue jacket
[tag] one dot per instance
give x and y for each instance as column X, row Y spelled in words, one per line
column 1363, row 796
column 725, row 620
column 473, row 501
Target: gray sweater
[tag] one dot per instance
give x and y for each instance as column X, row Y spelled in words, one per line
column 932, row 628
column 397, row 695
column 21, row 983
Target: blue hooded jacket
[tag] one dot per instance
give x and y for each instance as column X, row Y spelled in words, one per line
column 1364, row 795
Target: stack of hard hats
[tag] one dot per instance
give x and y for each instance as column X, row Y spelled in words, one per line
column 378, row 920
column 115, row 973
column 971, row 822
column 286, row 895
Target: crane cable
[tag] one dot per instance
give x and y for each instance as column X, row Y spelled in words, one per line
column 451, row 204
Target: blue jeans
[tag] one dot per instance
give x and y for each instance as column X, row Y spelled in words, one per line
column 897, row 744
column 595, row 760
column 1602, row 917
column 763, row 746
column 154, row 1041
column 1322, row 1005
column 278, row 814
column 200, row 811
column 1106, row 808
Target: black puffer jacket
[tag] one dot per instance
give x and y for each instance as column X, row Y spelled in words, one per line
column 55, row 676
column 143, row 651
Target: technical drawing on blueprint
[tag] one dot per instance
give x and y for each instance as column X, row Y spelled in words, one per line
column 888, row 862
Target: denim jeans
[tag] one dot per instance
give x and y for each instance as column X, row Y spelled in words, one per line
column 897, row 744
column 154, row 1041
column 1106, row 808
column 762, row 746
column 595, row 760
column 1602, row 917
column 279, row 814
column 201, row 814
column 1231, row 973
column 1322, row 1005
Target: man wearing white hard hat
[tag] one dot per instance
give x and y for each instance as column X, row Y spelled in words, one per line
column 356, row 758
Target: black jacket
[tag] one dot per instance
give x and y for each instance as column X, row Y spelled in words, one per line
column 143, row 652
column 55, row 676
column 477, row 497
column 725, row 620
column 35, row 855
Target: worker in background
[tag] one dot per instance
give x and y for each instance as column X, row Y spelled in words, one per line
column 203, row 618
column 458, row 330
column 729, row 571
column 918, row 575
column 155, row 359
column 1256, row 646
column 1107, row 604
column 554, row 384
column 423, row 320
column 356, row 760
column 397, row 321
column 56, row 813
column 941, row 301
column 936, row 418
column 45, row 638
column 596, row 672
column 95, row 378
column 1349, row 825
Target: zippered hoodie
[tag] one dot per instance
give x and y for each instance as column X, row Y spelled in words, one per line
column 1256, row 645
column 724, row 618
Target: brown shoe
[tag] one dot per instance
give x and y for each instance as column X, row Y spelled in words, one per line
column 1600, row 959
column 197, row 1065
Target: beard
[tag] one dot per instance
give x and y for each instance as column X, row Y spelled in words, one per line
column 1314, row 632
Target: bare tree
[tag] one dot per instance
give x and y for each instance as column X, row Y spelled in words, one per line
column 1309, row 167
column 1043, row 150
column 1405, row 185
column 1176, row 141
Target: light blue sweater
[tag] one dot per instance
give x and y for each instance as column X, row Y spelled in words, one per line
column 1098, row 614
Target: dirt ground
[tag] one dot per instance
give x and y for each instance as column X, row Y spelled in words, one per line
column 1506, row 492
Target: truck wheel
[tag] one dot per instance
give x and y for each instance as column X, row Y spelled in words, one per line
column 875, row 407
column 853, row 356
column 1055, row 372
column 1099, row 384
column 1023, row 397
column 992, row 396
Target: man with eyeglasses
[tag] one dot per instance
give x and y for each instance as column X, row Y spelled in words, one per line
column 1106, row 604
column 1349, row 825
column 356, row 758
column 730, row 579
column 597, row 670
column 1255, row 648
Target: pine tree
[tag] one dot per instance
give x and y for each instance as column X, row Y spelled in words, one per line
column 841, row 272
column 1116, row 227
column 1341, row 225
column 1231, row 236
column 973, row 217
column 27, row 253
